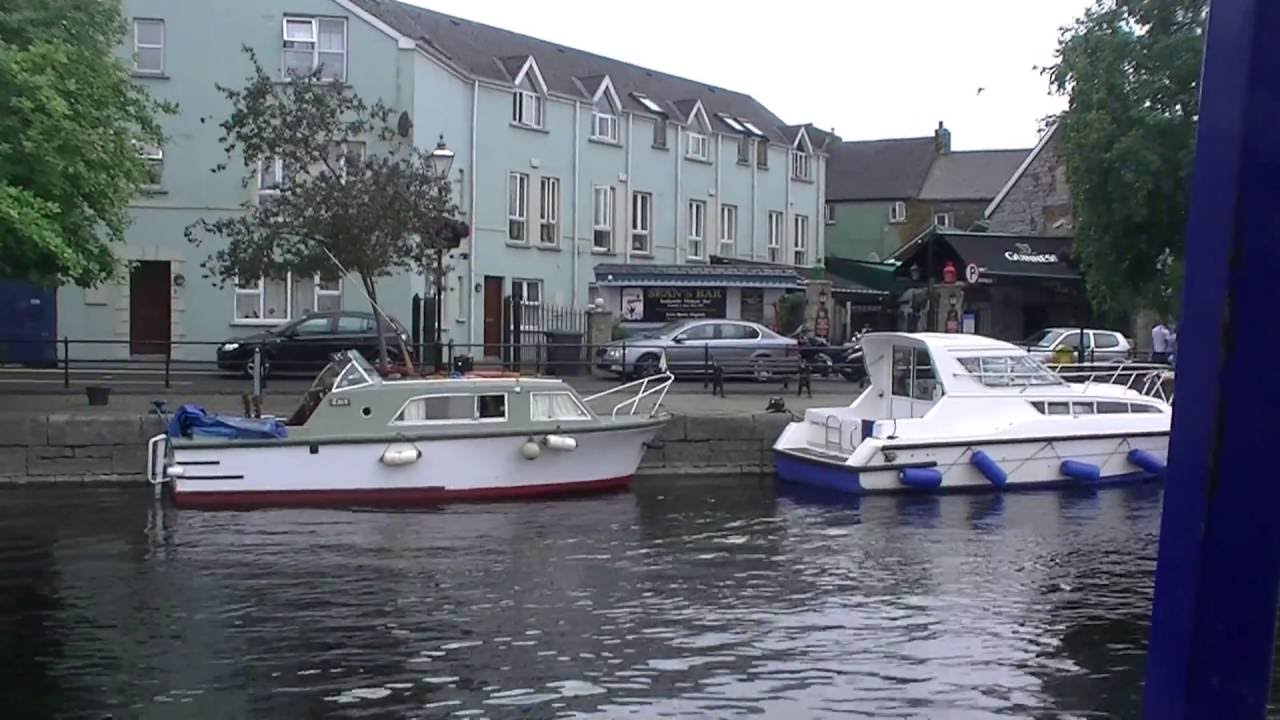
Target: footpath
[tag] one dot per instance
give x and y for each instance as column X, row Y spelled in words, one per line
column 58, row 438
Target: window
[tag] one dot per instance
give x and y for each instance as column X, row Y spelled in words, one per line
column 648, row 103
column 829, row 213
column 775, row 237
column 762, row 154
column 549, row 211
column 528, row 293
column 311, row 43
column 698, row 146
column 491, row 407
column 355, row 325
column 453, row 408
column 556, row 406
column 706, row 331
column 602, row 218
column 697, row 229
column 313, row 326
column 1112, row 408
column 898, row 212
column 148, row 46
column 1058, row 408
column 604, row 123
column 801, row 165
column 730, row 331
column 800, row 240
column 728, row 229
column 1105, row 341
column 942, row 220
column 744, row 151
column 344, row 155
column 153, row 159
column 641, row 223
column 517, row 207
column 271, row 179
column 913, row 375
column 1008, row 370
column 271, row 300
column 660, row 133
column 526, row 108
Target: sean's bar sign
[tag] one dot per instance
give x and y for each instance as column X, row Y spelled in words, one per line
column 662, row 304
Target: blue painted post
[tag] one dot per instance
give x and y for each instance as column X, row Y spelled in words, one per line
column 1214, row 616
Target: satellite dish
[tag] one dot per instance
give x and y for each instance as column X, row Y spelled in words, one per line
column 404, row 125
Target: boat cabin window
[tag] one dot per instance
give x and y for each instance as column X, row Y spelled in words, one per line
column 1091, row 408
column 1112, row 408
column 453, row 408
column 556, row 406
column 1008, row 371
column 352, row 376
column 913, row 375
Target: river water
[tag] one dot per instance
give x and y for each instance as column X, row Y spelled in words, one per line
column 685, row 599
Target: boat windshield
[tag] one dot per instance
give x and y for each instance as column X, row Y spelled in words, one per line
column 1009, row 370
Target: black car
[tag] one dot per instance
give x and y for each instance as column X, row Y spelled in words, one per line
column 304, row 345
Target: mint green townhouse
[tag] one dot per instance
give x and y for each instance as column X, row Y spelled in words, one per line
column 564, row 160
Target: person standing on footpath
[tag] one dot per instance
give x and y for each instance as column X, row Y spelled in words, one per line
column 1161, row 343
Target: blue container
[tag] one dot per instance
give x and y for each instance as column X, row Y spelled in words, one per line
column 28, row 324
column 921, row 478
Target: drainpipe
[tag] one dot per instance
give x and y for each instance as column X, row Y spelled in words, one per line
column 626, row 235
column 471, row 265
column 754, row 210
column 788, row 249
column 679, row 196
column 719, row 202
column 577, row 123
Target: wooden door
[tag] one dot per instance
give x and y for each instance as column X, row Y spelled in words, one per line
column 149, row 308
column 492, row 315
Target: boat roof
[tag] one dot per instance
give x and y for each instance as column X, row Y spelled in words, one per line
column 950, row 343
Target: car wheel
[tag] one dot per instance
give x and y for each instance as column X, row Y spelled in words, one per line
column 647, row 366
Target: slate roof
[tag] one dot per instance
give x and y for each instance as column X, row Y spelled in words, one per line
column 878, row 169
column 486, row 52
column 970, row 175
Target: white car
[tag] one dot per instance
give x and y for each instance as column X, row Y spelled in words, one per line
column 1101, row 346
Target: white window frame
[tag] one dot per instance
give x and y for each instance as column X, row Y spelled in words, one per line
column 602, row 217
column 277, row 172
column 699, row 146
column 829, row 213
column 518, row 207
column 139, row 45
column 260, row 290
column 527, row 108
column 549, row 211
column 800, row 240
column 586, row 414
column 898, row 212
column 475, row 409
column 642, row 222
column 524, row 284
column 945, row 217
column 728, row 230
column 314, row 20
column 153, row 156
column 776, row 229
column 697, row 247
column 801, row 165
column 604, row 125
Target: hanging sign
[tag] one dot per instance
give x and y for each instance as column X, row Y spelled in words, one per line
column 682, row 303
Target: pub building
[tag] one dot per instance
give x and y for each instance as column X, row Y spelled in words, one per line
column 998, row 285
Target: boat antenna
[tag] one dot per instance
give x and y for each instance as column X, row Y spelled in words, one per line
column 376, row 307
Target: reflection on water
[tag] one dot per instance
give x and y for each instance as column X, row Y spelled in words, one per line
column 686, row 599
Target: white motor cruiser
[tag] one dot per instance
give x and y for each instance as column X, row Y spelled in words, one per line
column 964, row 412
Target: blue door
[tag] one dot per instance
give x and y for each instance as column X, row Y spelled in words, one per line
column 28, row 323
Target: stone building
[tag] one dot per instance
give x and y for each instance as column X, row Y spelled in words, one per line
column 1036, row 199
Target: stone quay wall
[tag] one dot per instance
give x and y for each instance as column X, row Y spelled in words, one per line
column 86, row 448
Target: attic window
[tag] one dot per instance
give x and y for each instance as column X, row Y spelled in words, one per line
column 648, row 103
column 751, row 126
column 526, row 108
column 801, row 165
column 734, row 124
column 604, row 121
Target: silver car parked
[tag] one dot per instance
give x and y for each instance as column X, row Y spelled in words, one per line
column 1101, row 346
column 691, row 346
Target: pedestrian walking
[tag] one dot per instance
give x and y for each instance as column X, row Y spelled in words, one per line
column 1161, row 343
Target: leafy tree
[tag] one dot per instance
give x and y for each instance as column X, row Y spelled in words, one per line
column 71, row 122
column 352, row 196
column 1131, row 70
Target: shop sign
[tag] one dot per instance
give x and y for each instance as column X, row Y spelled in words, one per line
column 1022, row 252
column 662, row 304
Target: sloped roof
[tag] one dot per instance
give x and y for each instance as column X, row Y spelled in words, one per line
column 878, row 169
column 970, row 175
column 1021, row 169
column 483, row 51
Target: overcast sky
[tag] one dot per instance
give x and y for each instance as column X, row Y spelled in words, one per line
column 869, row 69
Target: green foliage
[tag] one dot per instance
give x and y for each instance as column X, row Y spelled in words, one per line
column 71, row 120
column 356, row 198
column 1131, row 69
column 790, row 312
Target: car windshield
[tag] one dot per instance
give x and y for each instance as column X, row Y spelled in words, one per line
column 1044, row 338
column 1009, row 370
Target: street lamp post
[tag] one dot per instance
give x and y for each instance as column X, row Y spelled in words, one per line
column 440, row 160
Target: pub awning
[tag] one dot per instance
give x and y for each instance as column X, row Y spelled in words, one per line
column 750, row 276
column 991, row 255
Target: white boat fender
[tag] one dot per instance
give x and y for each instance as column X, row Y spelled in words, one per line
column 530, row 450
column 175, row 471
column 560, row 442
column 400, row 454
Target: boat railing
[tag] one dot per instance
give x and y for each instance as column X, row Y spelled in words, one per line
column 157, row 452
column 1150, row 379
column 644, row 387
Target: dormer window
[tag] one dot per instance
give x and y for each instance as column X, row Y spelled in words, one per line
column 801, row 165
column 698, row 146
column 604, row 121
column 526, row 108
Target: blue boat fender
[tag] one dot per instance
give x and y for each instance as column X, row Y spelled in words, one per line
column 989, row 468
column 1146, row 461
column 1082, row 471
column 920, row 478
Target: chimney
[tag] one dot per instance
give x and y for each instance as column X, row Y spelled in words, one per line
column 942, row 139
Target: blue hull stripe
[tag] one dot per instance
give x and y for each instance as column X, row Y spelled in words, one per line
column 830, row 476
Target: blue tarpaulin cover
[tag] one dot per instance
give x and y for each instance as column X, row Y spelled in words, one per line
column 193, row 421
